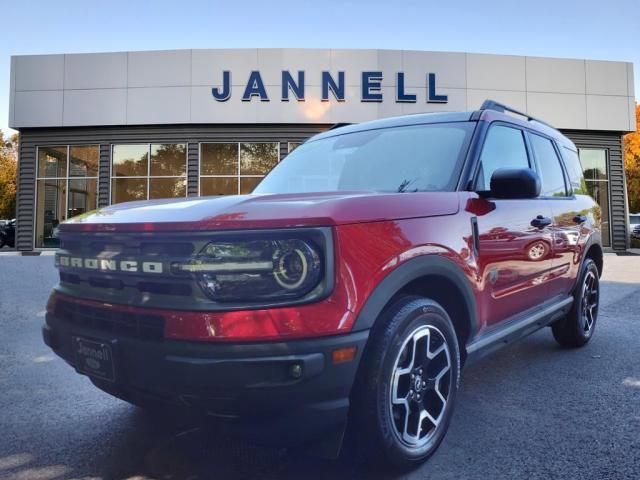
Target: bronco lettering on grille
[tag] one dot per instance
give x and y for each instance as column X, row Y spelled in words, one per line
column 109, row 265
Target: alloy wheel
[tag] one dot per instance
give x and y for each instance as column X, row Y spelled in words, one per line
column 589, row 306
column 420, row 386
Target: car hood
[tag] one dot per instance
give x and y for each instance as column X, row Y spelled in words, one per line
column 264, row 211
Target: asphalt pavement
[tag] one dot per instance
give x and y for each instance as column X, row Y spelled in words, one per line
column 530, row 411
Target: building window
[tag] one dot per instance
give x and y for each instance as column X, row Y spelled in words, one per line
column 235, row 168
column 66, row 186
column 291, row 146
column 148, row 171
column 596, row 175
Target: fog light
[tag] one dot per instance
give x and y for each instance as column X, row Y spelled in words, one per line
column 295, row 370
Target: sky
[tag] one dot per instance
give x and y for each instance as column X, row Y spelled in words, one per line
column 603, row 30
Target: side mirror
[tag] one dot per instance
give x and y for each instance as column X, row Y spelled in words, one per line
column 515, row 183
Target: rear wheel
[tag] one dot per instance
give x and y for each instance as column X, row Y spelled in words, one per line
column 576, row 329
column 2, row 241
column 404, row 397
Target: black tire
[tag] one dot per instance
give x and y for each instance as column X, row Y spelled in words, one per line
column 2, row 241
column 576, row 329
column 376, row 419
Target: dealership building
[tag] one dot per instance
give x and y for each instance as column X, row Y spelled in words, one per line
column 102, row 128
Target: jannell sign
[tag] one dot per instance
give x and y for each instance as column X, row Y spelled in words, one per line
column 290, row 86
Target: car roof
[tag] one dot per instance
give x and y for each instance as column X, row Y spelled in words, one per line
column 446, row 117
column 530, row 123
column 400, row 121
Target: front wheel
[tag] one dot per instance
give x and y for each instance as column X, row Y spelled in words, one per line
column 403, row 401
column 576, row 329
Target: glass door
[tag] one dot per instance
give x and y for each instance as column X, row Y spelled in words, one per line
column 596, row 174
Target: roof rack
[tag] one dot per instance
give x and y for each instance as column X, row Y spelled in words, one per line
column 502, row 108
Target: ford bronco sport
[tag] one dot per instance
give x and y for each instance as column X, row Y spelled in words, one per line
column 344, row 294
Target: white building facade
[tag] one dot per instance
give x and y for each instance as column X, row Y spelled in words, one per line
column 108, row 127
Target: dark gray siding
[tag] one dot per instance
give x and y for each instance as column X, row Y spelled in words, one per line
column 193, row 154
column 105, row 136
column 26, row 194
column 612, row 142
column 104, row 170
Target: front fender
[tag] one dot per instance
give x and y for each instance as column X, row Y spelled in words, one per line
column 409, row 271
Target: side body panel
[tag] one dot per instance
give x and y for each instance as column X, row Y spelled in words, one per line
column 571, row 237
column 515, row 259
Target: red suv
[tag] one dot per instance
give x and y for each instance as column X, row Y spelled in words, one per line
column 344, row 294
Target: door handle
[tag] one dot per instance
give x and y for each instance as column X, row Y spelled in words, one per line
column 580, row 218
column 541, row 222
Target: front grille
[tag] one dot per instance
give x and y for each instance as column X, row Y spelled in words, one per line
column 161, row 288
column 107, row 320
column 140, row 248
column 130, row 245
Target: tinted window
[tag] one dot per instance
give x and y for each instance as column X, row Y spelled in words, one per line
column 258, row 158
column 66, row 186
column 168, row 159
column 550, row 170
column 399, row 159
column 594, row 167
column 503, row 148
column 292, row 146
column 218, row 186
column 130, row 160
column 574, row 169
column 235, row 168
column 83, row 161
column 52, row 162
column 143, row 171
column 219, row 159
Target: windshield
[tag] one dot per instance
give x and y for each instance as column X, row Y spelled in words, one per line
column 399, row 159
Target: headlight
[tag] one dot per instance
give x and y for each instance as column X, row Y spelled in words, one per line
column 260, row 269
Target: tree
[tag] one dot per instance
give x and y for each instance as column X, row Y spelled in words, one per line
column 632, row 165
column 8, row 175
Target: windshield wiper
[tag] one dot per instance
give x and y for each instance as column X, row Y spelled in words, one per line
column 403, row 186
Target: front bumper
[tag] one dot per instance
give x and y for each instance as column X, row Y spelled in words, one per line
column 253, row 389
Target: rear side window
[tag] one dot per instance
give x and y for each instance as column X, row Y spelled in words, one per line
column 574, row 169
column 503, row 148
column 550, row 169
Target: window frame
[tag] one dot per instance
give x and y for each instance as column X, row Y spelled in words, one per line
column 560, row 149
column 148, row 177
column 569, row 194
column 38, row 178
column 238, row 176
column 476, row 174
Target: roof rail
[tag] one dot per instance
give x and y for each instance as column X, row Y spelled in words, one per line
column 502, row 108
column 339, row 125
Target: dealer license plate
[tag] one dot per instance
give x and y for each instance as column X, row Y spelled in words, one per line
column 94, row 358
